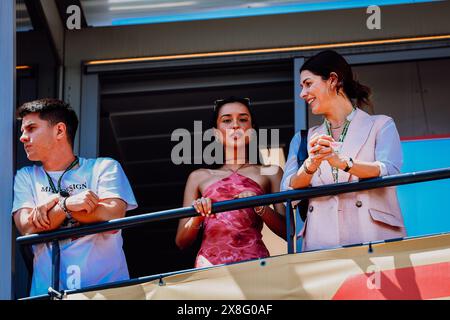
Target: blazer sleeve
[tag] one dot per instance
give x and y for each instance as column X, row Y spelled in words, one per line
column 291, row 166
column 388, row 149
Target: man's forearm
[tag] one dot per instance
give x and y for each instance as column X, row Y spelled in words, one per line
column 56, row 216
column 106, row 210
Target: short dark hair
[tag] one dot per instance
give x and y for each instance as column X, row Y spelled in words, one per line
column 53, row 111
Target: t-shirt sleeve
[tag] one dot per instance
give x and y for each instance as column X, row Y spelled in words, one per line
column 23, row 192
column 113, row 183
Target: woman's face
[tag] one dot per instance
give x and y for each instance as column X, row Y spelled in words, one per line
column 315, row 91
column 233, row 121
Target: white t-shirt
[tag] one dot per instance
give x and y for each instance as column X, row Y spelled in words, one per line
column 89, row 260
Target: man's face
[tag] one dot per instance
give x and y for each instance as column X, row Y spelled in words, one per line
column 38, row 137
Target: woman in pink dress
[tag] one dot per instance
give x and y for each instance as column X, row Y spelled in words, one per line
column 235, row 235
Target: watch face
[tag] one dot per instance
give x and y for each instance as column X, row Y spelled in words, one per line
column 350, row 162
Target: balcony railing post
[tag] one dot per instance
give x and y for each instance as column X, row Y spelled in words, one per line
column 289, row 227
column 56, row 266
column 299, row 223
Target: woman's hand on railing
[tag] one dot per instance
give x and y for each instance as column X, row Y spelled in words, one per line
column 203, row 206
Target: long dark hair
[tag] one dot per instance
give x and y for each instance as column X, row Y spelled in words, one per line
column 328, row 61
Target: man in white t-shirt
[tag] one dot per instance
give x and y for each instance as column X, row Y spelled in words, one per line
column 68, row 191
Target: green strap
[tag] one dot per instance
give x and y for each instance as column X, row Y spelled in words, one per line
column 342, row 136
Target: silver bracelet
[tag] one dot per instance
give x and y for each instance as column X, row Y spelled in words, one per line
column 306, row 170
column 62, row 205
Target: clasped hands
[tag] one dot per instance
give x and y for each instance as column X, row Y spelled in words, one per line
column 321, row 148
column 203, row 205
column 86, row 201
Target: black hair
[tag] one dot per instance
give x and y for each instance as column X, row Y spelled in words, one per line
column 53, row 111
column 328, row 61
column 218, row 104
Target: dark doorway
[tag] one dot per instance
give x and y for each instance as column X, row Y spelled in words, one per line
column 139, row 112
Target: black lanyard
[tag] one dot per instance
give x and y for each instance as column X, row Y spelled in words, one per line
column 63, row 193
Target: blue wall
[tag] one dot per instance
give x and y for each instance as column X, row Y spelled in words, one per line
column 426, row 206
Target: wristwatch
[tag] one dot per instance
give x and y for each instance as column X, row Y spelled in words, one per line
column 62, row 205
column 349, row 163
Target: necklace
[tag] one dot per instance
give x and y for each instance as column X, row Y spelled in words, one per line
column 336, row 127
column 234, row 171
column 339, row 126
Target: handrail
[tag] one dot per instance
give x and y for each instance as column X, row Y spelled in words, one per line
column 266, row 199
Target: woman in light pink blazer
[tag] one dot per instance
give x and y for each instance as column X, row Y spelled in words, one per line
column 350, row 144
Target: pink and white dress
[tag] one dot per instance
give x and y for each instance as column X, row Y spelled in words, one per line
column 235, row 235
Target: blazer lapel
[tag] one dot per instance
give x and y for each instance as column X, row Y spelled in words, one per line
column 357, row 135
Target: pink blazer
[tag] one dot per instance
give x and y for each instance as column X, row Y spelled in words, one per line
column 352, row 217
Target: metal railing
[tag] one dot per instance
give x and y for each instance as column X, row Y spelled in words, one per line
column 266, row 199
